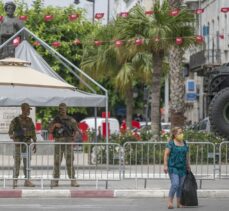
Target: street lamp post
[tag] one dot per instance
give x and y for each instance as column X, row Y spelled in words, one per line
column 93, row 10
column 108, row 11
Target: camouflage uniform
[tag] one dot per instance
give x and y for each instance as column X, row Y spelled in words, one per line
column 63, row 136
column 23, row 130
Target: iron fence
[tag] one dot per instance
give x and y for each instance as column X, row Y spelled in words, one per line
column 110, row 162
column 224, row 160
column 145, row 160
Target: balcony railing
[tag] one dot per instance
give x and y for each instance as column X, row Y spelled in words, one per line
column 205, row 57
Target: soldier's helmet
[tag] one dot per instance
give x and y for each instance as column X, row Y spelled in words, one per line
column 25, row 106
column 9, row 3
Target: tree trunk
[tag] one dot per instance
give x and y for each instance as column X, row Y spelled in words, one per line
column 177, row 87
column 156, row 93
column 129, row 107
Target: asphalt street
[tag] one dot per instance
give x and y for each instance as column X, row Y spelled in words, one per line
column 115, row 204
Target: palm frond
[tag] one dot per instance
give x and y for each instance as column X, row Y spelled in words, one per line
column 125, row 76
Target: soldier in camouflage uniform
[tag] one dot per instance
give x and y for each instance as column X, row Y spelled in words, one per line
column 22, row 130
column 64, row 129
column 8, row 27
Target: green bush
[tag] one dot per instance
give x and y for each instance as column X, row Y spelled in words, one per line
column 147, row 153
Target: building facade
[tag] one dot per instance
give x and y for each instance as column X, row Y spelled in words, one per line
column 126, row 5
column 212, row 24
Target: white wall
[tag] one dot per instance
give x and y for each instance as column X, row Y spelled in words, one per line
column 122, row 6
column 218, row 24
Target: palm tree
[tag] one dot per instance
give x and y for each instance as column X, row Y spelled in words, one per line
column 175, row 59
column 158, row 31
column 123, row 65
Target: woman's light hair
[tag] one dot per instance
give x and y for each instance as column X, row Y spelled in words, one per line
column 174, row 131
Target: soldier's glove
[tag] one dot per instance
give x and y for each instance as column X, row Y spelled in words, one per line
column 34, row 148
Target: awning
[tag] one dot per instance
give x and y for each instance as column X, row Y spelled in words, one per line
column 18, row 72
column 42, row 96
column 20, row 83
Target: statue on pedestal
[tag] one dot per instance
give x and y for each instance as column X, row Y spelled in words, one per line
column 8, row 27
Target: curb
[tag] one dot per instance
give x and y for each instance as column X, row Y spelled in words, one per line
column 92, row 194
column 46, row 193
column 140, row 193
column 8, row 193
column 164, row 193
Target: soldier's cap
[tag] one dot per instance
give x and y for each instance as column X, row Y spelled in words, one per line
column 62, row 105
column 25, row 105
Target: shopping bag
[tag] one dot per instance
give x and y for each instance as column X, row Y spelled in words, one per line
column 189, row 191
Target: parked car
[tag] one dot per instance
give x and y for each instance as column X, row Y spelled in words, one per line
column 165, row 127
column 204, row 125
column 114, row 127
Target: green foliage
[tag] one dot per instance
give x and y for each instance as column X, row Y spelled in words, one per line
column 192, row 136
column 99, row 154
column 162, row 26
column 121, row 68
column 116, row 68
column 58, row 29
column 146, row 152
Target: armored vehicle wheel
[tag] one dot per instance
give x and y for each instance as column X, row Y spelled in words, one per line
column 219, row 113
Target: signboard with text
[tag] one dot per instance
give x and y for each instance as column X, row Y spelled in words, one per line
column 190, row 90
column 191, row 97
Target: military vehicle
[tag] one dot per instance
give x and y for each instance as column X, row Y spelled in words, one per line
column 216, row 87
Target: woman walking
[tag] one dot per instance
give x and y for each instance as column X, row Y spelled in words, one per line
column 176, row 163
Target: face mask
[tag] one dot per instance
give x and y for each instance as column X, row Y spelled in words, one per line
column 180, row 137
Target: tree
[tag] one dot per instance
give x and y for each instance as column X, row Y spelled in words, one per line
column 175, row 59
column 123, row 65
column 158, row 30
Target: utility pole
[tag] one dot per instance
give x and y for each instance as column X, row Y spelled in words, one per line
column 93, row 9
column 166, row 112
column 108, row 11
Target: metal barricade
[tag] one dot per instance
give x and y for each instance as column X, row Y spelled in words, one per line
column 10, row 153
column 108, row 162
column 224, row 160
column 144, row 160
column 90, row 161
column 202, row 158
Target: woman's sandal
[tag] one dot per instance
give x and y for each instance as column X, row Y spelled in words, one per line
column 180, row 206
column 170, row 207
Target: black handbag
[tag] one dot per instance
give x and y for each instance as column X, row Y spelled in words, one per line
column 189, row 190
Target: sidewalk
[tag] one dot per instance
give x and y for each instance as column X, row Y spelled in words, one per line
column 125, row 188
